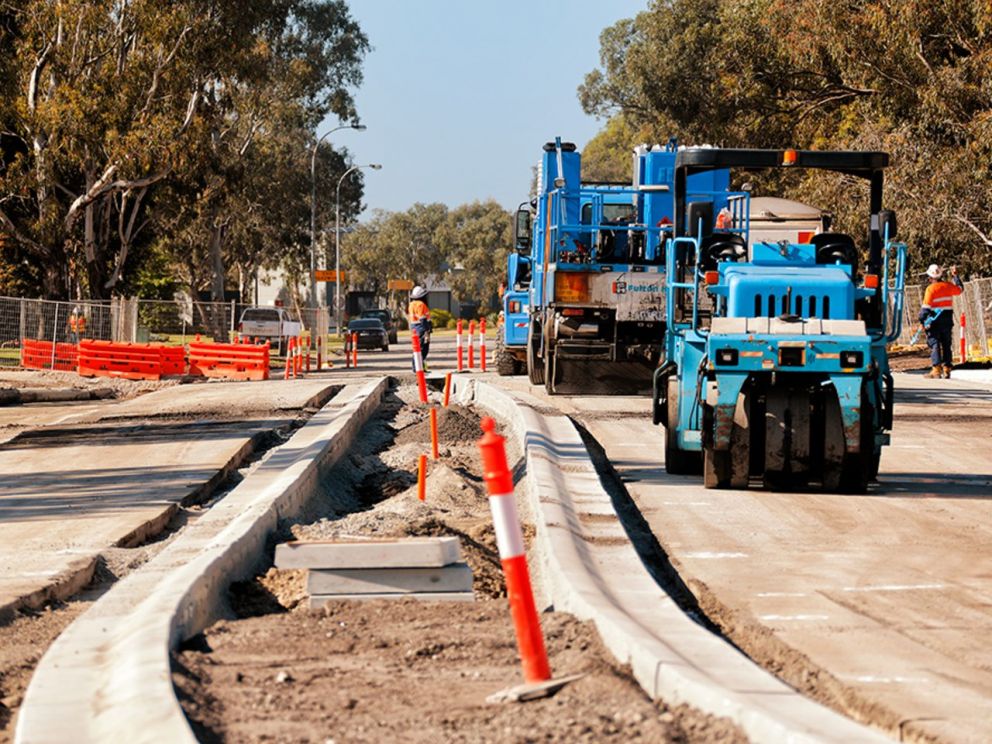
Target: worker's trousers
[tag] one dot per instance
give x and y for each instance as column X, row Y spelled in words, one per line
column 939, row 341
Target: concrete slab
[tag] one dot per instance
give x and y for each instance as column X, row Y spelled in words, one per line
column 456, row 577
column 384, row 553
column 107, row 676
column 225, row 398
column 317, row 601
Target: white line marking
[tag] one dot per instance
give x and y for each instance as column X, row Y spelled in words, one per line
column 887, row 680
column 707, row 554
column 909, row 446
column 794, row 617
column 781, row 594
column 892, row 587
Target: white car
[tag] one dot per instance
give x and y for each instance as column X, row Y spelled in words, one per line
column 270, row 323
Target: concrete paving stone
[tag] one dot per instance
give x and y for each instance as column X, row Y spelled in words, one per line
column 319, row 600
column 423, row 552
column 456, row 577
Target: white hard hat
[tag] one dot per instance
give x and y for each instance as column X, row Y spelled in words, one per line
column 933, row 271
column 418, row 292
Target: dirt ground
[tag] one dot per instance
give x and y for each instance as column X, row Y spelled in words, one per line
column 407, row 670
column 28, row 378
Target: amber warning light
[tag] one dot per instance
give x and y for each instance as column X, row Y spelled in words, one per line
column 789, row 157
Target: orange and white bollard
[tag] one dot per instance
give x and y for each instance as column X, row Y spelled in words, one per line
column 289, row 359
column 418, row 366
column 471, row 344
column 458, row 345
column 422, row 477
column 298, row 368
column 320, row 348
column 434, row 453
column 510, row 541
column 482, row 344
column 964, row 340
column 447, row 389
column 354, row 349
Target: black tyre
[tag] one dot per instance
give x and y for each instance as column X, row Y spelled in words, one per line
column 385, row 347
column 535, row 365
column 677, row 461
column 506, row 363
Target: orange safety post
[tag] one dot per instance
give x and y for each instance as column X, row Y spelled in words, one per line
column 447, row 389
column 298, row 367
column 458, row 344
column 482, row 344
column 471, row 346
column 510, row 541
column 964, row 343
column 320, row 357
column 418, row 366
column 434, row 432
column 422, row 477
column 289, row 359
column 354, row 349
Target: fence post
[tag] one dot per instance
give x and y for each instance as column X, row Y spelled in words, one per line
column 233, row 319
column 22, row 330
column 55, row 333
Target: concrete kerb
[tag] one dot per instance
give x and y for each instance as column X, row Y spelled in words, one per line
column 579, row 557
column 108, row 676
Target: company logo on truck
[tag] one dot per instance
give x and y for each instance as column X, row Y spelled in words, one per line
column 623, row 287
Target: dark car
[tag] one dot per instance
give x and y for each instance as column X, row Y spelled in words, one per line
column 371, row 333
column 387, row 321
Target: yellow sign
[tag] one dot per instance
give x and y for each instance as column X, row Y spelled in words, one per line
column 328, row 275
column 403, row 285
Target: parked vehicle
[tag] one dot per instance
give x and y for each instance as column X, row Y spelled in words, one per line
column 371, row 332
column 387, row 321
column 775, row 361
column 270, row 323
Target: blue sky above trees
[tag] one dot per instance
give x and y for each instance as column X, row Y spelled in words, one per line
column 459, row 96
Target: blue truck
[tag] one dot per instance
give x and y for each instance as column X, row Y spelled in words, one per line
column 775, row 362
column 584, row 306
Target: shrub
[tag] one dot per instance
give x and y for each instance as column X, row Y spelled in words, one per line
column 440, row 318
column 452, row 324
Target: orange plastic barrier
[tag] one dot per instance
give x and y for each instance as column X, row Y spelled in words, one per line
column 230, row 361
column 38, row 355
column 130, row 361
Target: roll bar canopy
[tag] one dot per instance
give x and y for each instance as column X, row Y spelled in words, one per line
column 868, row 165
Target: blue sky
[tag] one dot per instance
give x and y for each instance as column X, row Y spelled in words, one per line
column 460, row 95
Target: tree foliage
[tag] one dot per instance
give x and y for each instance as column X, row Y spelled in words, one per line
column 135, row 130
column 466, row 247
column 907, row 76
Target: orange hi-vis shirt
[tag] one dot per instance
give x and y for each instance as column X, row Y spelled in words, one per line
column 417, row 310
column 940, row 295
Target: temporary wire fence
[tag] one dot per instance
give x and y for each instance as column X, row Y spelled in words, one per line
column 61, row 324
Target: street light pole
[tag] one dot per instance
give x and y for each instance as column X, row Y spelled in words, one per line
column 313, row 206
column 337, row 239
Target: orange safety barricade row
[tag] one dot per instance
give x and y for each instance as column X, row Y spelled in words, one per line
column 230, row 361
column 129, row 361
column 38, row 355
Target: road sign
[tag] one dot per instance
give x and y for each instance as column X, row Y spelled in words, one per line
column 403, row 285
column 328, row 275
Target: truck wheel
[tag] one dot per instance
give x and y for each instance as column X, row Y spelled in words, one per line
column 535, row 367
column 677, row 461
column 506, row 363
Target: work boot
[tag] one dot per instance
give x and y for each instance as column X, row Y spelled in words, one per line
column 947, row 371
column 935, row 373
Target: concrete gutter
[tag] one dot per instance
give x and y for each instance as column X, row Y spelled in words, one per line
column 108, row 676
column 587, row 566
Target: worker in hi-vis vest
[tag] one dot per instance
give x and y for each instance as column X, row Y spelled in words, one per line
column 419, row 315
column 937, row 318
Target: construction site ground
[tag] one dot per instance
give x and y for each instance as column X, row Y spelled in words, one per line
column 874, row 605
